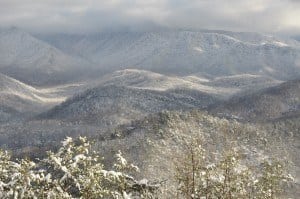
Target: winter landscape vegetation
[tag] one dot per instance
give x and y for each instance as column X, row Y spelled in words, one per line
column 152, row 112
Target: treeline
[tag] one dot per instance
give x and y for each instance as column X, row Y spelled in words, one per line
column 75, row 171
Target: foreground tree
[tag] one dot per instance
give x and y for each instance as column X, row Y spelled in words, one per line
column 226, row 176
column 73, row 172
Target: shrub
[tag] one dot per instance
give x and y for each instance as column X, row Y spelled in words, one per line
column 73, row 172
column 201, row 176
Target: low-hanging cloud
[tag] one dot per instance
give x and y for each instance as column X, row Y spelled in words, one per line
column 96, row 15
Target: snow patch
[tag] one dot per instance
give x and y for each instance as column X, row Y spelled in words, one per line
column 281, row 44
column 198, row 49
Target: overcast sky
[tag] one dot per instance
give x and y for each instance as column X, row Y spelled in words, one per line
column 268, row 16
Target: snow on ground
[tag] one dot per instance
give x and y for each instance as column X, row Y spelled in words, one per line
column 222, row 87
column 13, row 91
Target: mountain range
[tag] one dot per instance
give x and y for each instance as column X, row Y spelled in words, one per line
column 19, row 99
column 35, row 62
column 60, row 58
column 208, row 53
column 145, row 72
column 267, row 104
column 143, row 91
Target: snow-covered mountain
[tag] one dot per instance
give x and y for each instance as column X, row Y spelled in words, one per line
column 212, row 53
column 110, row 105
column 222, row 87
column 33, row 61
column 152, row 82
column 242, row 84
column 268, row 104
column 18, row 99
column 143, row 79
column 130, row 94
column 53, row 59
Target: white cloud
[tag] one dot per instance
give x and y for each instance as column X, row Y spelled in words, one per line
column 95, row 15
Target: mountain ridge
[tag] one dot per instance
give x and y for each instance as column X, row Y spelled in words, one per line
column 33, row 61
column 188, row 52
column 110, row 105
column 270, row 103
column 19, row 99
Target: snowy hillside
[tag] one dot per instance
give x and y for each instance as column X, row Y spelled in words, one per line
column 219, row 87
column 111, row 105
column 145, row 92
column 127, row 95
column 33, row 61
column 153, row 141
column 214, row 53
column 242, row 84
column 154, row 81
column 268, row 104
column 17, row 98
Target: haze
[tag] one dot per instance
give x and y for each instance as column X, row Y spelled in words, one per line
column 266, row 16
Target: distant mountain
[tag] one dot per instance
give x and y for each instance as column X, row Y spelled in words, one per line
column 109, row 105
column 59, row 58
column 18, row 99
column 33, row 61
column 268, row 104
column 130, row 94
column 212, row 53
column 242, row 84
column 243, row 81
column 154, row 81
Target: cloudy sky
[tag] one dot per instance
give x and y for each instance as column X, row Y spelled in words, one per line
column 268, row 16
